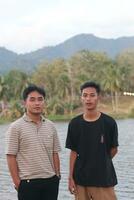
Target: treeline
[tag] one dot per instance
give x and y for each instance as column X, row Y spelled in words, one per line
column 62, row 79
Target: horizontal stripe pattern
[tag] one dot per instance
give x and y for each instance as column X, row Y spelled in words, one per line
column 33, row 146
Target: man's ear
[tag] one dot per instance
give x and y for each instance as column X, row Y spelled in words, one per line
column 100, row 97
column 23, row 103
column 81, row 98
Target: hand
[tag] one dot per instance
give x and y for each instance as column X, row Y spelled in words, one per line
column 59, row 176
column 16, row 184
column 72, row 186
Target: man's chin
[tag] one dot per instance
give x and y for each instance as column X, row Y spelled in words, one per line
column 36, row 113
column 90, row 109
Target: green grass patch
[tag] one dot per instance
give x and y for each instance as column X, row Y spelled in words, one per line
column 60, row 117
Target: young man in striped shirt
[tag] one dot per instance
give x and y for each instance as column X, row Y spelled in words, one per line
column 32, row 147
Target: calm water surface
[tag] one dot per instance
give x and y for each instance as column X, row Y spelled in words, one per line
column 124, row 163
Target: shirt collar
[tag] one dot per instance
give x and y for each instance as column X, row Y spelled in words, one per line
column 28, row 119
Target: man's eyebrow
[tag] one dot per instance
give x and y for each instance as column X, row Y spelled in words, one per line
column 89, row 93
column 40, row 97
column 32, row 97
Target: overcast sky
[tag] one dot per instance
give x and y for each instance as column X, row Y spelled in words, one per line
column 26, row 25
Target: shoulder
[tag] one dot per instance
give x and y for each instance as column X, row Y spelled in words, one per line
column 76, row 119
column 49, row 122
column 49, row 125
column 15, row 127
column 16, row 124
column 108, row 119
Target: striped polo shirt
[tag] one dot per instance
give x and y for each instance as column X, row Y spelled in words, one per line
column 33, row 146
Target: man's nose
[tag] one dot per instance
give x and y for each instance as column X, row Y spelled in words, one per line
column 37, row 101
column 88, row 97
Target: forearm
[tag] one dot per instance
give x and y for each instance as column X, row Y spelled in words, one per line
column 56, row 161
column 73, row 156
column 113, row 151
column 72, row 186
column 13, row 168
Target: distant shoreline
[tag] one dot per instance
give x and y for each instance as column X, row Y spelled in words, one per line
column 66, row 118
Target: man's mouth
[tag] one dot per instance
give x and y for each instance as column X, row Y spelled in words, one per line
column 88, row 104
column 37, row 108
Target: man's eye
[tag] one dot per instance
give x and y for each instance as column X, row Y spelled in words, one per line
column 41, row 99
column 84, row 95
column 92, row 95
column 32, row 99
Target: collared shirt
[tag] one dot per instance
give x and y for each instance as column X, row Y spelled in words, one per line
column 33, row 146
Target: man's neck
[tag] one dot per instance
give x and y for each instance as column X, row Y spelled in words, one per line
column 91, row 115
column 34, row 117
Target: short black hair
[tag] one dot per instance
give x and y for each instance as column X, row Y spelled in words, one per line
column 32, row 88
column 91, row 84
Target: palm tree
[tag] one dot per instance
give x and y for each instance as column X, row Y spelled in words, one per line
column 112, row 79
column 3, row 95
column 17, row 81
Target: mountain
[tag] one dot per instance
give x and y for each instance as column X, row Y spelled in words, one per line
column 10, row 60
column 28, row 61
column 7, row 59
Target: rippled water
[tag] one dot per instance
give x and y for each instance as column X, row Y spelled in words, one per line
column 124, row 164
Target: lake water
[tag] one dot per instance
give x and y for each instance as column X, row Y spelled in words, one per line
column 124, row 163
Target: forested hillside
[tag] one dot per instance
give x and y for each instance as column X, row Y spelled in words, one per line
column 62, row 79
column 29, row 61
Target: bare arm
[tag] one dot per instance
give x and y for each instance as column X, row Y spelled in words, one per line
column 56, row 161
column 113, row 151
column 13, row 168
column 72, row 187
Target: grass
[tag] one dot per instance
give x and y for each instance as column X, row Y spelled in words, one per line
column 60, row 117
column 4, row 120
column 125, row 107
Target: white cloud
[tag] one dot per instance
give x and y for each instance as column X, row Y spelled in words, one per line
column 29, row 25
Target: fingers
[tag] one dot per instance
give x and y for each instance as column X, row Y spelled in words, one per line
column 16, row 186
column 72, row 186
column 72, row 190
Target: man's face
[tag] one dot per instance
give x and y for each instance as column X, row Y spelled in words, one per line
column 89, row 98
column 34, row 103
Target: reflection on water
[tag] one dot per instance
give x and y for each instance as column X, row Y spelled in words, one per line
column 124, row 164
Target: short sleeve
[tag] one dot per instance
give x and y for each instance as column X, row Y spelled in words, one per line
column 12, row 140
column 71, row 137
column 56, row 144
column 114, row 135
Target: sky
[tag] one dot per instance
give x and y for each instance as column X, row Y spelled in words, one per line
column 28, row 25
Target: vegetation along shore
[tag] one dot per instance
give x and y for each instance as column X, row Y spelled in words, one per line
column 62, row 79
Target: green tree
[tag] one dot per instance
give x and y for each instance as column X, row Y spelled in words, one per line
column 16, row 81
column 112, row 81
column 3, row 96
column 126, row 62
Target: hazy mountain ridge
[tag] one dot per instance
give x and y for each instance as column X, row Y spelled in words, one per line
column 28, row 61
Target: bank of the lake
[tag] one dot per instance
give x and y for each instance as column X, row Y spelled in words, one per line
column 125, row 109
column 64, row 118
